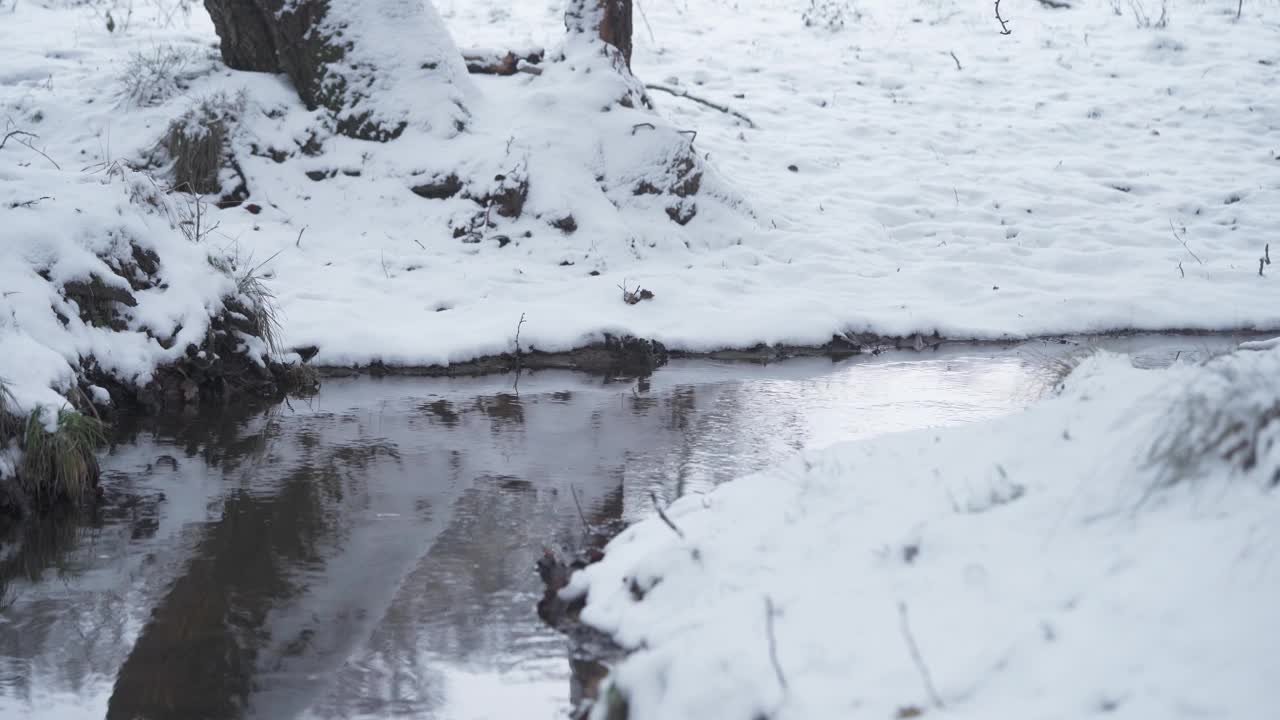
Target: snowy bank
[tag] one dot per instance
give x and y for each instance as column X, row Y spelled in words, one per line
column 1081, row 175
column 1110, row 550
column 110, row 298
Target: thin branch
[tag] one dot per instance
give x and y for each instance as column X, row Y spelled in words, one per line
column 28, row 203
column 773, row 642
column 518, row 326
column 916, row 657
column 298, row 242
column 14, row 133
column 681, row 92
column 657, row 506
column 649, row 27
column 586, row 526
column 953, row 57
column 27, row 143
column 1004, row 24
column 1183, row 239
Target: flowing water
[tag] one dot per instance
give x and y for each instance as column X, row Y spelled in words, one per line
column 369, row 552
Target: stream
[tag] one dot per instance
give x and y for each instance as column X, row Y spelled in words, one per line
column 369, row 551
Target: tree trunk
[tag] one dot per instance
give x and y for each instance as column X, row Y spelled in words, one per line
column 608, row 20
column 376, row 65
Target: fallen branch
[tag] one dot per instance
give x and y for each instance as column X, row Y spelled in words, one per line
column 773, row 642
column 682, row 93
column 953, row 57
column 917, row 658
column 494, row 62
column 656, row 506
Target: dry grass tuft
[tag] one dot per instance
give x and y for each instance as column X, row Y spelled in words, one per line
column 1229, row 413
column 151, row 78
column 195, row 143
column 60, row 464
column 259, row 302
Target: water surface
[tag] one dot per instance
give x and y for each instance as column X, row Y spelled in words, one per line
column 369, row 552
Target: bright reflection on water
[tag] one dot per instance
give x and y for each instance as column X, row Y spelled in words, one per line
column 370, row 553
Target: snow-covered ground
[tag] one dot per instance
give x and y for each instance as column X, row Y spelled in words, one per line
column 1093, row 555
column 1081, row 174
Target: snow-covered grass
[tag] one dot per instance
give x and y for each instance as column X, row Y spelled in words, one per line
column 1084, row 557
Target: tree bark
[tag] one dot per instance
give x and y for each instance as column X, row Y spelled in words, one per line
column 377, row 65
column 608, row 20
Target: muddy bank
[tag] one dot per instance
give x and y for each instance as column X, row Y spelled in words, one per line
column 629, row 356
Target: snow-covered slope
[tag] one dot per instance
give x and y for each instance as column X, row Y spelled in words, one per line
column 1081, row 174
column 1093, row 555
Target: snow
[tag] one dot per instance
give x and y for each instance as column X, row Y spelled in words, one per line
column 1046, row 564
column 83, row 225
column 1080, row 175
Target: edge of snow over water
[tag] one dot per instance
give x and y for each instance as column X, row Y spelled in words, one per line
column 1067, row 561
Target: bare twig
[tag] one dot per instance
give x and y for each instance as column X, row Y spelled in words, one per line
column 28, row 203
column 645, row 18
column 953, row 57
column 19, row 134
column 1183, row 239
column 518, row 326
column 518, row 353
column 14, row 133
column 657, row 506
column 637, row 126
column 1004, row 24
column 298, row 242
column 1056, row 4
column 916, row 657
column 586, row 526
column 1239, row 8
column 1180, row 270
column 773, row 642
column 681, row 92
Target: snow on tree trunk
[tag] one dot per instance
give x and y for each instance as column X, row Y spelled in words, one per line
column 378, row 65
column 608, row 20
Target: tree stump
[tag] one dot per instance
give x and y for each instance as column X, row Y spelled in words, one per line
column 376, row 65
